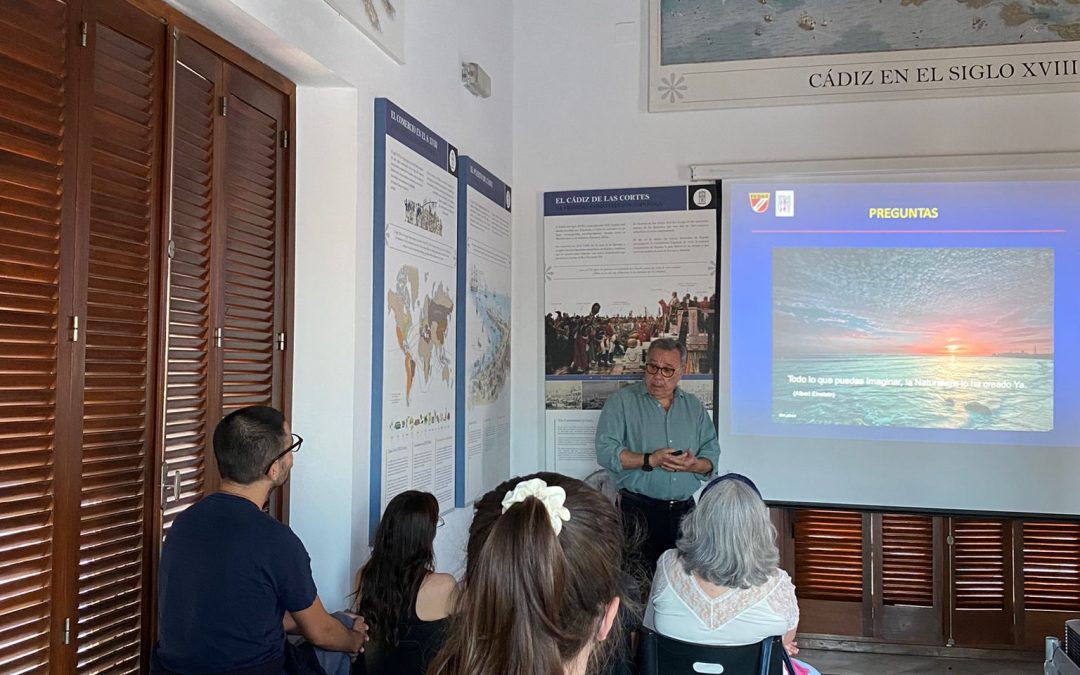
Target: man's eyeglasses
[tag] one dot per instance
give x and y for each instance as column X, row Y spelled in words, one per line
column 666, row 371
column 295, row 447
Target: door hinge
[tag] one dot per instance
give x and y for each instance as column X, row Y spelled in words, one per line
column 67, row 631
column 84, row 30
column 167, row 485
column 219, row 336
column 281, row 341
column 224, row 106
column 284, row 138
column 161, row 484
column 75, row 328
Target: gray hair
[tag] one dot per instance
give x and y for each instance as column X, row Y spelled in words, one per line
column 728, row 539
column 668, row 345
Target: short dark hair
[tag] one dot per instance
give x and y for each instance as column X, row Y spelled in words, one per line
column 668, row 345
column 246, row 441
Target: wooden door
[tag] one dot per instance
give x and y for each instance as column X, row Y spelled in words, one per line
column 253, row 244
column 191, row 399
column 908, row 578
column 831, row 571
column 120, row 165
column 982, row 582
column 38, row 39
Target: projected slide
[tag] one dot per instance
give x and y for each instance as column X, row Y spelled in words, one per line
column 911, row 310
column 954, row 338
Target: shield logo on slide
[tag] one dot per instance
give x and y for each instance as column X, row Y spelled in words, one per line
column 759, row 201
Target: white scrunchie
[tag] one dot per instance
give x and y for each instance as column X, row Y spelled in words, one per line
column 553, row 498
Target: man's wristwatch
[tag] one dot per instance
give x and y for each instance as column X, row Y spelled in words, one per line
column 645, row 466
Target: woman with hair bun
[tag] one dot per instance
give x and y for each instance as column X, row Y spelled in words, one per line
column 543, row 582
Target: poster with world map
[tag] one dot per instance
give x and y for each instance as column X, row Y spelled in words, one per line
column 727, row 53
column 414, row 331
column 484, row 227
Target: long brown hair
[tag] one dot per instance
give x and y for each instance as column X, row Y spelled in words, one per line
column 402, row 556
column 533, row 600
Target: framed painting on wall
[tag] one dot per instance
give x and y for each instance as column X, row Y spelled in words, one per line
column 383, row 21
column 742, row 53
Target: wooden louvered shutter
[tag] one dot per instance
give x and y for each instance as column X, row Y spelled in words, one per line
column 253, row 290
column 37, row 152
column 80, row 324
column 253, row 286
column 981, row 574
column 226, row 269
column 121, row 144
column 830, row 570
column 1051, row 578
column 907, row 604
column 191, row 399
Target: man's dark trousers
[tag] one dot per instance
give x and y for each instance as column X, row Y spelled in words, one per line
column 652, row 522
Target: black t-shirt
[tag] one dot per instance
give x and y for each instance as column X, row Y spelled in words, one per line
column 228, row 574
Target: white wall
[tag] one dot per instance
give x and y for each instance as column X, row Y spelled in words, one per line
column 340, row 73
column 580, row 122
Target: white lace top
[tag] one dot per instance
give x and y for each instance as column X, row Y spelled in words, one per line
column 679, row 608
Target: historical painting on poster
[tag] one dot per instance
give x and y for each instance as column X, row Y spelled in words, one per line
column 622, row 268
column 707, row 54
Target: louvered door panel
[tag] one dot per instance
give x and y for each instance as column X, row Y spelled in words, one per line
column 907, row 560
column 190, row 401
column 252, row 302
column 34, row 184
column 981, row 580
column 829, row 555
column 830, row 571
column 1052, row 566
column 907, row 597
column 118, row 409
column 1051, row 578
column 979, row 563
column 80, row 339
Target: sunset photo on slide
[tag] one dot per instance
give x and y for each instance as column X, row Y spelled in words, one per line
column 953, row 338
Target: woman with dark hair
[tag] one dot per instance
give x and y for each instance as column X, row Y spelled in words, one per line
column 543, row 582
column 404, row 600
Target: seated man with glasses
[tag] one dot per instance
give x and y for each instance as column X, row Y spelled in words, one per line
column 659, row 445
column 231, row 577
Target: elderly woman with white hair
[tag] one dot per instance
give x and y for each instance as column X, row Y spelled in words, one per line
column 721, row 584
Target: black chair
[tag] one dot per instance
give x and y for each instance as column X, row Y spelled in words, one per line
column 661, row 655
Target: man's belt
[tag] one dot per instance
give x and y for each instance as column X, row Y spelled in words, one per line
column 652, row 501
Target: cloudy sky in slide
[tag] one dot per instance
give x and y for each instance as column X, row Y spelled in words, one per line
column 958, row 301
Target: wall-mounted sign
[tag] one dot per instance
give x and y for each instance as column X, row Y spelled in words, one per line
column 706, row 54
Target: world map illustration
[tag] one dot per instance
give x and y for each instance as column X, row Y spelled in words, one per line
column 422, row 319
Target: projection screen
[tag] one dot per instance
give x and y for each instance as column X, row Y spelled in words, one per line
column 896, row 336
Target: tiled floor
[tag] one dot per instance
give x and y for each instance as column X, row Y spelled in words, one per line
column 850, row 663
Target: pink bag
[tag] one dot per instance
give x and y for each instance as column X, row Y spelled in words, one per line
column 802, row 668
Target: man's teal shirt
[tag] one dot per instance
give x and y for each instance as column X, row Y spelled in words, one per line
column 634, row 420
